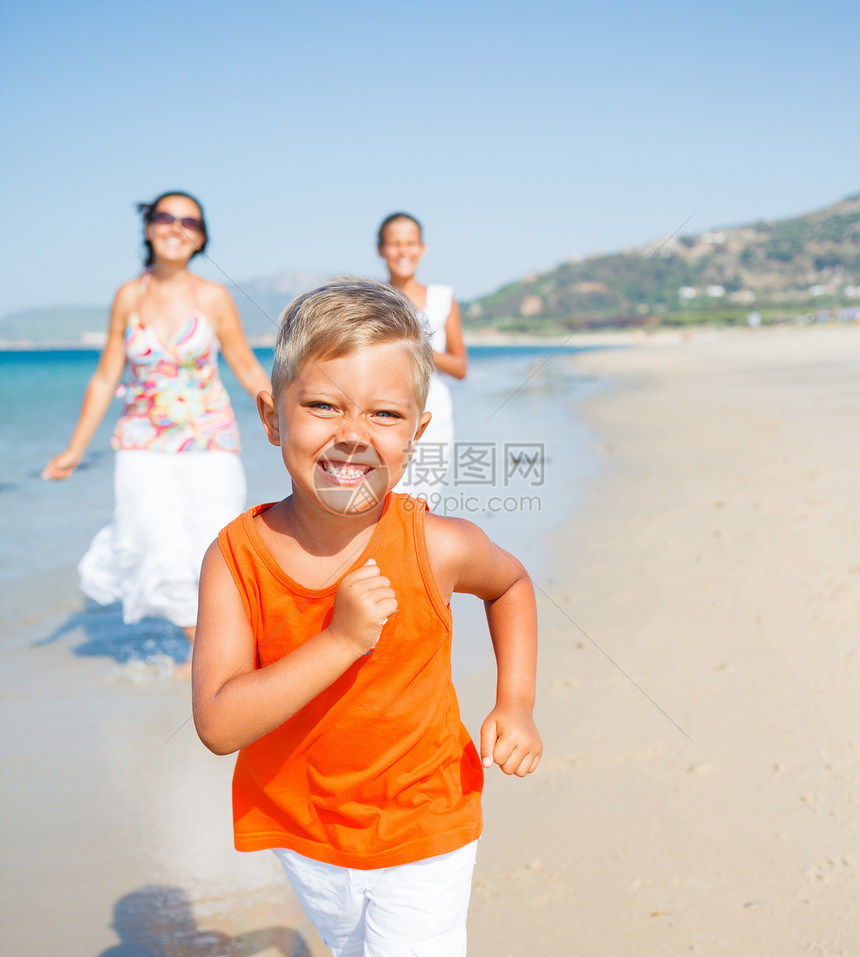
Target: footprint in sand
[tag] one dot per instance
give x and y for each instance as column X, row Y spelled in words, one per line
column 829, row 870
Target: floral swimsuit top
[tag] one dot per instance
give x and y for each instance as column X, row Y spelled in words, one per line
column 174, row 398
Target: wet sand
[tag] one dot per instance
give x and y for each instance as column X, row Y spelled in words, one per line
column 117, row 822
column 699, row 671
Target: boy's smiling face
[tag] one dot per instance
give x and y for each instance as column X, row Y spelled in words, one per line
column 346, row 427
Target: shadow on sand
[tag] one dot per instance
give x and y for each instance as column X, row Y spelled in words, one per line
column 159, row 922
column 105, row 634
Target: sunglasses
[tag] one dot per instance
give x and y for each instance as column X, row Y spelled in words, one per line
column 186, row 222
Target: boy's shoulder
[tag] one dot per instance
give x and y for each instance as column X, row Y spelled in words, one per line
column 449, row 524
column 451, row 539
column 465, row 559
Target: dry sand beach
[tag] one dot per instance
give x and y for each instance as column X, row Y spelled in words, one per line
column 700, row 668
column 698, row 696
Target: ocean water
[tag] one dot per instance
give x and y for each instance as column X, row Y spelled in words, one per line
column 519, row 457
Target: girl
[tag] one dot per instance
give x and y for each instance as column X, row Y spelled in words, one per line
column 401, row 245
column 178, row 477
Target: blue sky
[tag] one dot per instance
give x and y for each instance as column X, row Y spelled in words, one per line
column 520, row 134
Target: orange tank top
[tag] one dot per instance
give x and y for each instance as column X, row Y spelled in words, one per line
column 378, row 770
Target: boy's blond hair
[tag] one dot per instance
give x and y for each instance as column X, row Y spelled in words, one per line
column 344, row 315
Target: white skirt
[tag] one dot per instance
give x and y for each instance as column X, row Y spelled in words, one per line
column 169, row 508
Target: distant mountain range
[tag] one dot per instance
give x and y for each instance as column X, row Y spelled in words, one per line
column 806, row 265
column 780, row 269
column 261, row 301
column 67, row 325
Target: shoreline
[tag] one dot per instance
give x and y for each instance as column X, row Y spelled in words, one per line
column 698, row 671
column 490, row 339
column 494, row 340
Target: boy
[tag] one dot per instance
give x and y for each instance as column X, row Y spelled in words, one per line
column 324, row 637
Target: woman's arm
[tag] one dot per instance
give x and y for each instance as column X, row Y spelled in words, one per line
column 101, row 387
column 454, row 361
column 239, row 355
column 235, row 704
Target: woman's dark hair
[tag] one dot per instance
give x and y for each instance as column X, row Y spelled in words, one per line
column 147, row 211
column 393, row 218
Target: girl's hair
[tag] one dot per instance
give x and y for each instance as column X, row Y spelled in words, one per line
column 393, row 218
column 147, row 211
column 345, row 315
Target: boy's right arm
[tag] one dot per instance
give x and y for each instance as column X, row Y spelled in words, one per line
column 235, row 703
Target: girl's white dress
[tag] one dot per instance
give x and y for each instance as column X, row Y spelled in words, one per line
column 433, row 455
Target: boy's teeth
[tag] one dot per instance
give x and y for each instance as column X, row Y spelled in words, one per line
column 344, row 471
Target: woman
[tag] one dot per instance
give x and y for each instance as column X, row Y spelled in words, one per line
column 178, row 477
column 400, row 243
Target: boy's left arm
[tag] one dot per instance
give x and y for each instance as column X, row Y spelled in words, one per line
column 509, row 736
column 476, row 566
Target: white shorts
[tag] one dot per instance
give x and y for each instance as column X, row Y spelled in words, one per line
column 412, row 910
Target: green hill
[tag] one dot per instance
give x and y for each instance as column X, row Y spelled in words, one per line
column 780, row 269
